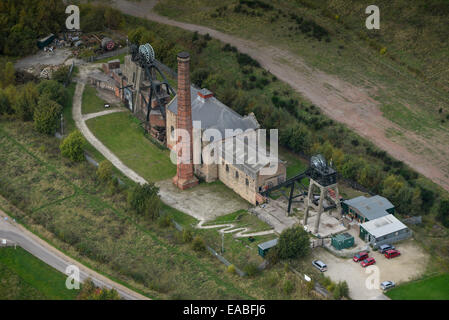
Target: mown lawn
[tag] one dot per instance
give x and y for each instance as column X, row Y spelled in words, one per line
column 435, row 288
column 91, row 102
column 24, row 277
column 122, row 134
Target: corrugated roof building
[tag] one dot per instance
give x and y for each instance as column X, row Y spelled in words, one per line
column 365, row 209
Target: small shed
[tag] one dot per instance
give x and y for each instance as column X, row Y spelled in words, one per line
column 266, row 246
column 342, row 241
column 45, row 41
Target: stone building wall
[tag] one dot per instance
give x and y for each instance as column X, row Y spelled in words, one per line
column 243, row 185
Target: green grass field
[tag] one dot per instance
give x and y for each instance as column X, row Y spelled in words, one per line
column 91, row 102
column 435, row 288
column 24, row 277
column 123, row 135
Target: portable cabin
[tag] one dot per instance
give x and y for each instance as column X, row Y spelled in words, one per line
column 342, row 241
column 266, row 246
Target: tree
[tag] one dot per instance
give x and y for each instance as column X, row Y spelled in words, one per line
column 198, row 244
column 5, row 105
column 89, row 291
column 54, row 90
column 72, row 147
column 26, row 102
column 293, row 243
column 8, row 76
column 46, row 115
column 61, row 74
column 105, row 171
column 143, row 199
column 443, row 213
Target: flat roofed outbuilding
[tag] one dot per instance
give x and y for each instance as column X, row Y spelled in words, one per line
column 387, row 229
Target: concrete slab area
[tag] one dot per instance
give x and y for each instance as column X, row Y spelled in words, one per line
column 201, row 202
column 54, row 58
column 329, row 225
column 275, row 214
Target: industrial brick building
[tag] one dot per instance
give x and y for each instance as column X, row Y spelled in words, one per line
column 194, row 110
column 235, row 169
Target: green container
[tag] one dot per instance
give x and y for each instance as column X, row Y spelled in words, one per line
column 342, row 241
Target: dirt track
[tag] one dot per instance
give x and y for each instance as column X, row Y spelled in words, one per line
column 340, row 100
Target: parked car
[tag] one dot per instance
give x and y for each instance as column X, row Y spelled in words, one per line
column 383, row 248
column 320, row 265
column 387, row 285
column 360, row 256
column 107, row 105
column 392, row 253
column 368, row 261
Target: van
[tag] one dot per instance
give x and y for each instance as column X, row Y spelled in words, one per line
column 320, row 265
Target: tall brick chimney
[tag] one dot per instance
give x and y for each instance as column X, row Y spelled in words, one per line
column 184, row 178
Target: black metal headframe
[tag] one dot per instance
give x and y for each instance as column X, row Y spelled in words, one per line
column 149, row 66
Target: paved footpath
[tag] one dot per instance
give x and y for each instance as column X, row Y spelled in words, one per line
column 43, row 251
column 81, row 125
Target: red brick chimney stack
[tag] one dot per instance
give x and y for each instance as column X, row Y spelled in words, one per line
column 184, row 178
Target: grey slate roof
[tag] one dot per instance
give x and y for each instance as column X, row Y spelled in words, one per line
column 383, row 226
column 251, row 159
column 268, row 244
column 371, row 208
column 214, row 114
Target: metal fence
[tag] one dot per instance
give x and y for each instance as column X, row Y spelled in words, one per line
column 413, row 220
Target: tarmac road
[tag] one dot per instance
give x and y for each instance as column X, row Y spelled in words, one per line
column 56, row 259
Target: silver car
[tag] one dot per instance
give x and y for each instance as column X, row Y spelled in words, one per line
column 387, row 285
column 320, row 265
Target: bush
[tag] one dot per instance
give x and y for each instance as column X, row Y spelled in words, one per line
column 105, row 171
column 198, row 244
column 231, row 269
column 61, row 74
column 46, row 115
column 288, row 286
column 251, row 269
column 272, row 256
column 443, row 213
column 187, row 235
column 293, row 243
column 164, row 221
column 140, row 197
column 72, row 147
column 341, row 290
column 113, row 186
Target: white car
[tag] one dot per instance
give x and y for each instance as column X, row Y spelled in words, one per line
column 320, row 265
column 387, row 285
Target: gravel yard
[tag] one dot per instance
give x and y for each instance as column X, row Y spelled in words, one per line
column 410, row 264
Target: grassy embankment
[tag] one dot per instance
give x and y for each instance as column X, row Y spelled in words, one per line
column 24, row 277
column 64, row 204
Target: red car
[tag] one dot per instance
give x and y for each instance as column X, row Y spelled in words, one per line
column 392, row 253
column 368, row 261
column 360, row 256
